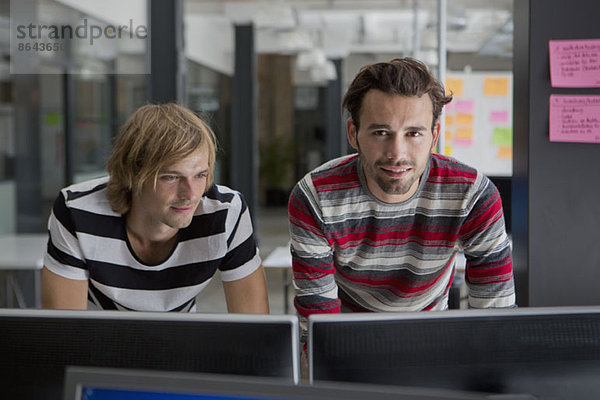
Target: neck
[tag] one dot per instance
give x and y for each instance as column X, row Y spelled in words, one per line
column 150, row 246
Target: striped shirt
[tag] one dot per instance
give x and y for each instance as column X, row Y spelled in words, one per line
column 88, row 241
column 350, row 249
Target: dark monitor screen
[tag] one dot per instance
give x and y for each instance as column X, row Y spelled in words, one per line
column 116, row 384
column 37, row 345
column 552, row 353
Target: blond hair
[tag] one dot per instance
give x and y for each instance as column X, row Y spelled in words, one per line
column 154, row 137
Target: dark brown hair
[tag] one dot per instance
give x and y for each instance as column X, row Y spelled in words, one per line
column 400, row 76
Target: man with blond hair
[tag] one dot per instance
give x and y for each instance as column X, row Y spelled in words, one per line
column 152, row 234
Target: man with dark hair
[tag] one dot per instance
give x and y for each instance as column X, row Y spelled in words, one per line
column 151, row 235
column 380, row 230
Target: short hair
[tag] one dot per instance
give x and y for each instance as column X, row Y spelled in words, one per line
column 400, row 76
column 154, row 137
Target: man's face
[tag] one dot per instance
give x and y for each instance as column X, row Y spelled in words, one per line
column 179, row 189
column 394, row 142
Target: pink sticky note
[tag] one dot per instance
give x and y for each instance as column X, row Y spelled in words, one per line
column 499, row 116
column 574, row 118
column 464, row 106
column 575, row 63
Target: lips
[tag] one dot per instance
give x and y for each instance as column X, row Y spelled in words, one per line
column 183, row 208
column 395, row 171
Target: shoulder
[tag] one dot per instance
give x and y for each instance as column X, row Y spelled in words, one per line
column 335, row 175
column 87, row 196
column 221, row 198
column 448, row 169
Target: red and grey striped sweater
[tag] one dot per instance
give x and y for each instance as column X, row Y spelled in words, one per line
column 350, row 248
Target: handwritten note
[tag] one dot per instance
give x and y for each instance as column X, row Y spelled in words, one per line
column 574, row 118
column 575, row 63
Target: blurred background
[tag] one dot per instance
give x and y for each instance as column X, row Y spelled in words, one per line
column 267, row 74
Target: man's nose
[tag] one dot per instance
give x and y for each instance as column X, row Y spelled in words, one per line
column 396, row 148
column 186, row 189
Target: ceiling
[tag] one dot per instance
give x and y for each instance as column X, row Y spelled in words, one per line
column 342, row 27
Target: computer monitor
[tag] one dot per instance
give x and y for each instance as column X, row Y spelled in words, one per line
column 552, row 353
column 115, row 384
column 37, row 345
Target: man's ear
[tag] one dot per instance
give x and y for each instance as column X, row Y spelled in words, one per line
column 436, row 135
column 352, row 132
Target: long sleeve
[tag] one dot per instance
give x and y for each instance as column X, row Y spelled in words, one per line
column 312, row 255
column 489, row 271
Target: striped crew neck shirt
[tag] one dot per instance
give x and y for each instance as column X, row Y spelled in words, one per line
column 88, row 241
column 351, row 250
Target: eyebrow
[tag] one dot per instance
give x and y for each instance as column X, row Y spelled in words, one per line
column 387, row 127
column 175, row 172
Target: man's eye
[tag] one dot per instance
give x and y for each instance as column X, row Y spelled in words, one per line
column 203, row 175
column 168, row 178
column 380, row 133
column 414, row 134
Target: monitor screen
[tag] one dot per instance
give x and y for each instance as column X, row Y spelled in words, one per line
column 85, row 383
column 37, row 345
column 552, row 353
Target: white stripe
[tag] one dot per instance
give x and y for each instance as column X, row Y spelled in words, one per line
column 151, row 300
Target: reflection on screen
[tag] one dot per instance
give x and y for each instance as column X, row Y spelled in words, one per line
column 114, row 394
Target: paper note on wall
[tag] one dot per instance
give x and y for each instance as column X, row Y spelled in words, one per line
column 454, row 85
column 495, row 86
column 574, row 118
column 464, row 119
column 499, row 117
column 502, row 136
column 575, row 63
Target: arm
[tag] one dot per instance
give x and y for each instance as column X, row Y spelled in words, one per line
column 63, row 293
column 312, row 254
column 248, row 295
column 489, row 272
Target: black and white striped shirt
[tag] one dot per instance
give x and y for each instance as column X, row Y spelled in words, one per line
column 88, row 241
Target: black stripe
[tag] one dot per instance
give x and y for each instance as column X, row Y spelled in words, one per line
column 185, row 306
column 204, row 226
column 63, row 257
column 76, row 195
column 63, row 214
column 214, row 194
column 105, row 302
column 237, row 223
column 110, row 226
column 120, row 276
column 240, row 255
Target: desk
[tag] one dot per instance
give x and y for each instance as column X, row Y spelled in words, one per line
column 281, row 258
column 22, row 252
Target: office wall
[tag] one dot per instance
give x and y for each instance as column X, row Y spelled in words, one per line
column 556, row 196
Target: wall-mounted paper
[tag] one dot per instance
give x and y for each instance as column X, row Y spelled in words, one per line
column 464, row 134
column 574, row 118
column 448, row 136
column 504, row 152
column 462, row 143
column 464, row 106
column 495, row 86
column 575, row 63
column 449, row 120
column 499, row 117
column 454, row 85
column 464, row 119
column 502, row 136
